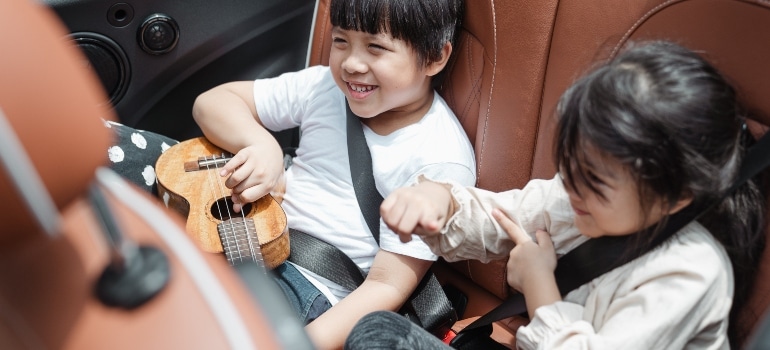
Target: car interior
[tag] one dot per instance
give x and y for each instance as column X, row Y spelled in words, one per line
column 76, row 225
column 87, row 261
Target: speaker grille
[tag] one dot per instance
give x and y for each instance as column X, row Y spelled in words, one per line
column 108, row 61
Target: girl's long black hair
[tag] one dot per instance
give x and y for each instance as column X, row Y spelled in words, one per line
column 674, row 122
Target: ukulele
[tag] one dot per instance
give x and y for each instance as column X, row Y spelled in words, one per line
column 189, row 183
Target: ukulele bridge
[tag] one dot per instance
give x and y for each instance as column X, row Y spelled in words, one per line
column 204, row 163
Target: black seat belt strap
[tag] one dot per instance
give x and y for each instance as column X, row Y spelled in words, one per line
column 360, row 159
column 324, row 259
column 428, row 305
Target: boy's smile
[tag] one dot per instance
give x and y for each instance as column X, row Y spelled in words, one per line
column 360, row 91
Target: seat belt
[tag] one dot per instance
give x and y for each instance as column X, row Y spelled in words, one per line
column 600, row 255
column 428, row 306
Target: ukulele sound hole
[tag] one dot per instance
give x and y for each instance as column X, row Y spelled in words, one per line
column 223, row 210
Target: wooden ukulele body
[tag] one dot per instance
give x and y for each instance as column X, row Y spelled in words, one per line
column 202, row 198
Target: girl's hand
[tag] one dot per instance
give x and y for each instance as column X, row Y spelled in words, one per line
column 528, row 260
column 251, row 174
column 422, row 209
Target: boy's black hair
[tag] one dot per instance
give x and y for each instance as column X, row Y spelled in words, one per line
column 674, row 122
column 426, row 25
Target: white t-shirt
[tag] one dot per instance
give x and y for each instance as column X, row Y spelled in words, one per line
column 320, row 199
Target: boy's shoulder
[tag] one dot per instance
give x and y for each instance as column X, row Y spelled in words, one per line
column 312, row 75
column 310, row 83
column 441, row 114
column 318, row 70
column 320, row 73
column 318, row 77
column 440, row 105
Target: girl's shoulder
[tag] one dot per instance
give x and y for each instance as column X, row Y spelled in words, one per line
column 692, row 252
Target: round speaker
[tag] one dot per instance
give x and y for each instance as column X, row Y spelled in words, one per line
column 158, row 34
column 107, row 60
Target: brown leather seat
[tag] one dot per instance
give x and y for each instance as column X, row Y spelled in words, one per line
column 514, row 60
column 53, row 248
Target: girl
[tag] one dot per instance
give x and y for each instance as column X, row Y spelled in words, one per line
column 651, row 132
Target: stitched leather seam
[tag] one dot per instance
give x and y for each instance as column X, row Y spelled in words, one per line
column 475, row 91
column 491, row 89
column 638, row 23
column 323, row 30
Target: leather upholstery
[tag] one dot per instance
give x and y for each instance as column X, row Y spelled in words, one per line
column 515, row 58
column 39, row 115
column 47, row 280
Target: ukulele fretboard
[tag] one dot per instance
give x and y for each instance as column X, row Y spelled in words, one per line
column 240, row 241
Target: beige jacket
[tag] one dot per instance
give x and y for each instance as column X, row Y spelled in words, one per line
column 677, row 296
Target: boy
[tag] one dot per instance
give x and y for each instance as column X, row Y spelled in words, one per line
column 384, row 57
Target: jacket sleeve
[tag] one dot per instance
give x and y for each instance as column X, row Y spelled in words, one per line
column 472, row 232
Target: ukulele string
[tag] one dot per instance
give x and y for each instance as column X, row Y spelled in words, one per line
column 248, row 234
column 217, row 187
column 249, row 239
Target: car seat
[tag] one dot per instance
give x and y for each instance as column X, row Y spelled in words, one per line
column 88, row 261
column 515, row 58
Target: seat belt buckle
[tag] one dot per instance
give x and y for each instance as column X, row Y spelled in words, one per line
column 450, row 334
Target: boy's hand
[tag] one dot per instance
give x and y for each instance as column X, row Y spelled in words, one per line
column 528, row 260
column 422, row 209
column 251, row 174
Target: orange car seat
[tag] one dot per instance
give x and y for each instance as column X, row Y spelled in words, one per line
column 515, row 58
column 56, row 244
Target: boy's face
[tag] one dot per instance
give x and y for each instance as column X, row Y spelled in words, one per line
column 379, row 74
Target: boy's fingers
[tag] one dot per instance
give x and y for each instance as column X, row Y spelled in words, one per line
column 387, row 203
column 231, row 165
column 253, row 193
column 515, row 232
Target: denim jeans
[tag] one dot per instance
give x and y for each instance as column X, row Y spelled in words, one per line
column 391, row 331
column 306, row 299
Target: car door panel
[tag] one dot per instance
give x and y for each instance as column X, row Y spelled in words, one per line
column 215, row 42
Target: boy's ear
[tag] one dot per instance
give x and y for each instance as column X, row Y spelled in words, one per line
column 436, row 67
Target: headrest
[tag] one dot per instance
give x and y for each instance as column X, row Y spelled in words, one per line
column 54, row 105
column 732, row 35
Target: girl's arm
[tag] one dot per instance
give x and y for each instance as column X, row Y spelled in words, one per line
column 473, row 233
column 531, row 264
column 391, row 280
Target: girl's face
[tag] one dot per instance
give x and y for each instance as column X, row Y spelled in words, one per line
column 620, row 212
column 380, row 74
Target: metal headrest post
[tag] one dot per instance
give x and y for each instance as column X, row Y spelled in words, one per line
column 26, row 179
